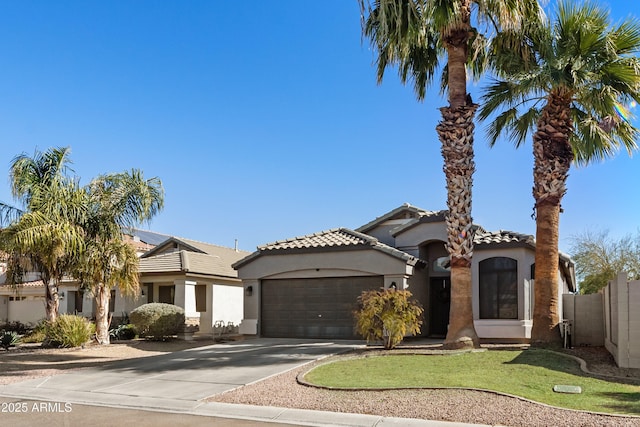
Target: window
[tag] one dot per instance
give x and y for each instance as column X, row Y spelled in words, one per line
column 166, row 294
column 499, row 288
column 442, row 265
column 201, row 298
column 75, row 301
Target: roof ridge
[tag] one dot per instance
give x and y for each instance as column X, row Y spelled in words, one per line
column 305, row 236
column 187, row 240
column 360, row 235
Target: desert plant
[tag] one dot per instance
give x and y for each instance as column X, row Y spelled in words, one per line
column 157, row 321
column 37, row 334
column 387, row 315
column 17, row 327
column 9, row 339
column 69, row 331
column 123, row 332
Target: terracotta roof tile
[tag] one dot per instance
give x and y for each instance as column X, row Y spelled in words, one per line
column 337, row 237
column 328, row 238
column 33, row 284
column 502, row 236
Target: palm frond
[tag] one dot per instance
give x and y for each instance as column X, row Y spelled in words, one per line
column 579, row 53
column 9, row 214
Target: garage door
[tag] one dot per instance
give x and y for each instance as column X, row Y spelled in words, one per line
column 312, row 308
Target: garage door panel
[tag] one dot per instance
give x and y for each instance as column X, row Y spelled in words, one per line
column 312, row 308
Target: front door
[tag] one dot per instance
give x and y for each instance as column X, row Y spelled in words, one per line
column 439, row 303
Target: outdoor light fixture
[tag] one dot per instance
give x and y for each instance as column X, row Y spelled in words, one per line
column 62, row 295
column 249, row 291
column 393, row 286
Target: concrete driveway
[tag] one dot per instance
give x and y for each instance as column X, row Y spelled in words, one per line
column 177, row 380
column 168, row 390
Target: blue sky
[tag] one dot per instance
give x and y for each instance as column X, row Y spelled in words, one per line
column 262, row 118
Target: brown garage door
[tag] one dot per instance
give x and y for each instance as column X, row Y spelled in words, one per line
column 312, row 308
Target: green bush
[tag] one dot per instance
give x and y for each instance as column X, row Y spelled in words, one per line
column 157, row 321
column 123, row 332
column 388, row 315
column 69, row 331
column 9, row 339
column 37, row 334
column 17, row 327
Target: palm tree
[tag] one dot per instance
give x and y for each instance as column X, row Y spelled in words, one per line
column 421, row 37
column 567, row 82
column 31, row 179
column 115, row 202
column 48, row 244
column 43, row 236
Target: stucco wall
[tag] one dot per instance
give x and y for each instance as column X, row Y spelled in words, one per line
column 336, row 263
column 420, row 234
column 228, row 304
column 622, row 321
column 30, row 310
column 4, row 308
column 586, row 313
column 383, row 232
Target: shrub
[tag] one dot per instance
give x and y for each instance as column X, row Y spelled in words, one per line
column 9, row 339
column 387, row 315
column 37, row 334
column 157, row 320
column 123, row 332
column 69, row 331
column 17, row 327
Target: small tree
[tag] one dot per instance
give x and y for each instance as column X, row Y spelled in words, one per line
column 388, row 315
column 599, row 258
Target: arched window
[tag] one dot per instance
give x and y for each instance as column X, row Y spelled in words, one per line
column 499, row 288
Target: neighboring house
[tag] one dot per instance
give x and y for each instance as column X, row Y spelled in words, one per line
column 308, row 286
column 194, row 275
column 197, row 277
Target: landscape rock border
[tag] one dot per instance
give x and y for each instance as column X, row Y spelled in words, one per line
column 582, row 363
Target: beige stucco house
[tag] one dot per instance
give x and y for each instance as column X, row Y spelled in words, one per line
column 307, row 286
column 194, row 275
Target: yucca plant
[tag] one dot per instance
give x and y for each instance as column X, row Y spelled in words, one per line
column 9, row 339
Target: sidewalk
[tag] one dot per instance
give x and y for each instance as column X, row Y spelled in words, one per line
column 175, row 385
column 151, row 412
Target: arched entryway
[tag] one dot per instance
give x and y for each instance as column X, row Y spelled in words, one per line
column 439, row 288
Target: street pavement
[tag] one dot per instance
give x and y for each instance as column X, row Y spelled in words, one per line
column 170, row 389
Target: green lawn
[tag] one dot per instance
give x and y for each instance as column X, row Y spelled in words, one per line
column 530, row 374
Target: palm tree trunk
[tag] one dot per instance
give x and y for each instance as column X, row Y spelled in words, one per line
column 52, row 301
column 546, row 314
column 102, row 314
column 456, row 134
column 553, row 156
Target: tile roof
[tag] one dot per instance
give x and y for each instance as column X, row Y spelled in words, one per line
column 329, row 239
column 32, row 284
column 501, row 237
column 406, row 210
column 200, row 258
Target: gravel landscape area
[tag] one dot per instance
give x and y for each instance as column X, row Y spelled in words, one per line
column 447, row 405
column 284, row 391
